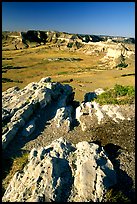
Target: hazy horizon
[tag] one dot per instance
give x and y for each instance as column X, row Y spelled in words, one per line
column 93, row 18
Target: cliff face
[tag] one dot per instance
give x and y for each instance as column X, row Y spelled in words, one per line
column 112, row 47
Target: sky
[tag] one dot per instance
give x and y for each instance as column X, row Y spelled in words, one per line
column 94, row 18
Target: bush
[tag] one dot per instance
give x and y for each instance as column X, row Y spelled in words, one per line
column 122, row 62
column 69, row 45
column 124, row 65
column 118, row 95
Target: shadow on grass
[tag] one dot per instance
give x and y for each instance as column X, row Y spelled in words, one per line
column 7, row 67
column 123, row 75
column 5, row 80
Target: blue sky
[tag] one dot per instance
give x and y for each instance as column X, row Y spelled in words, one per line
column 98, row 18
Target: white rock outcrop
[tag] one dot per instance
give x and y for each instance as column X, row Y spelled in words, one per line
column 63, row 117
column 20, row 106
column 90, row 113
column 63, row 172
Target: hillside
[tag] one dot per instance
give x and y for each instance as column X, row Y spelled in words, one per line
column 29, row 55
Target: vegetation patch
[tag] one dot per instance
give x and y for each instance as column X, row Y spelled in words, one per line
column 61, row 73
column 69, row 45
column 11, row 166
column 122, row 63
column 66, row 81
column 4, row 80
column 118, row 95
column 116, row 196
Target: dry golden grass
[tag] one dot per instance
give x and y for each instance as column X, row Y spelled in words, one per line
column 86, row 74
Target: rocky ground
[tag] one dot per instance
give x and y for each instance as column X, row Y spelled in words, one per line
column 117, row 138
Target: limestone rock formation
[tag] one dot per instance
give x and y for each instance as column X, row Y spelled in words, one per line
column 63, row 118
column 111, row 47
column 91, row 113
column 21, row 106
column 63, row 172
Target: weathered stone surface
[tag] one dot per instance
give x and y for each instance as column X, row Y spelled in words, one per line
column 63, row 118
column 63, row 172
column 43, row 96
column 45, row 80
column 20, row 105
column 94, row 172
column 90, row 113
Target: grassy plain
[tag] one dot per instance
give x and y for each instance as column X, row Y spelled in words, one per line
column 27, row 65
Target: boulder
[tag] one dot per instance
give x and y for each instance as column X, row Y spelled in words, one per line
column 45, row 80
column 20, row 105
column 44, row 96
column 63, row 118
column 62, row 172
column 89, row 114
column 94, row 173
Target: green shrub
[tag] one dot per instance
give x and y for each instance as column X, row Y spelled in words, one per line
column 124, row 65
column 63, row 72
column 69, row 45
column 118, row 95
column 124, row 90
column 122, row 62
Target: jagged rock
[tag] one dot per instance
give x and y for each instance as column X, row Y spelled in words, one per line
column 94, row 172
column 8, row 136
column 63, row 118
column 25, row 113
column 20, row 105
column 44, row 96
column 90, row 113
column 45, row 80
column 83, row 114
column 63, row 172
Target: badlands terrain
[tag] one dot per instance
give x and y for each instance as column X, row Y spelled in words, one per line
column 60, row 143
